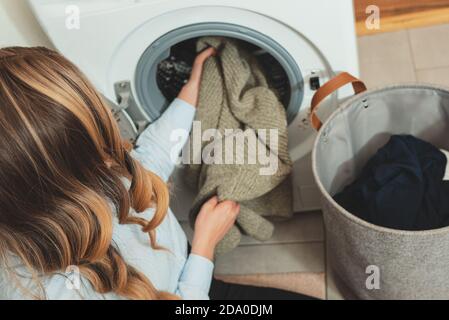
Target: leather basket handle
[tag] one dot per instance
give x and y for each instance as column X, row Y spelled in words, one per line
column 328, row 88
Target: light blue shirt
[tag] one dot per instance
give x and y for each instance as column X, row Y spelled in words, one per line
column 168, row 270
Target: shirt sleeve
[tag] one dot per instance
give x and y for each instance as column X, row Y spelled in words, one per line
column 196, row 278
column 159, row 145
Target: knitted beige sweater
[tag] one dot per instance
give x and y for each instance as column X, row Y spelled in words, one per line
column 234, row 94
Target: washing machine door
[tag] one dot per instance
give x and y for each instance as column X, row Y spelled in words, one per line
column 137, row 58
column 118, row 46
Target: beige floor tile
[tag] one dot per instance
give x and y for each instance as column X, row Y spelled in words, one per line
column 430, row 46
column 385, row 58
column 279, row 258
column 434, row 75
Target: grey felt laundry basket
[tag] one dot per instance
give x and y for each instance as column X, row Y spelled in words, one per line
column 411, row 264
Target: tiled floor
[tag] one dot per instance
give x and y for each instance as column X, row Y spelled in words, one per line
column 415, row 55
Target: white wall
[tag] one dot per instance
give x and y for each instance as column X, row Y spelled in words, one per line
column 18, row 27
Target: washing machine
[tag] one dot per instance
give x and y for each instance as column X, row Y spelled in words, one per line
column 122, row 44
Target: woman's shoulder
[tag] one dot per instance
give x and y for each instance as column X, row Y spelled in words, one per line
column 18, row 283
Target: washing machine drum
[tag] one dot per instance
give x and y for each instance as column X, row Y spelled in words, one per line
column 174, row 71
column 166, row 66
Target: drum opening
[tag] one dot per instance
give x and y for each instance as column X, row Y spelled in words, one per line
column 174, row 71
column 165, row 65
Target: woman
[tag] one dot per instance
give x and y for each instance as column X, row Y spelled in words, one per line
column 77, row 204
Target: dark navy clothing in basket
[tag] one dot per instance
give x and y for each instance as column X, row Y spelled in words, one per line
column 401, row 187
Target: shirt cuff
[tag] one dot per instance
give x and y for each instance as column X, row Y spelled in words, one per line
column 185, row 104
column 181, row 113
column 198, row 272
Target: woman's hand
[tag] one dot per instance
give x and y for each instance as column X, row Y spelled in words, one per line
column 189, row 93
column 212, row 223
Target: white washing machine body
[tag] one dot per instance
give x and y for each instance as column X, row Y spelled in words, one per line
column 111, row 37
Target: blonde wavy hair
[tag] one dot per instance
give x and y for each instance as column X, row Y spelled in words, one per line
column 61, row 160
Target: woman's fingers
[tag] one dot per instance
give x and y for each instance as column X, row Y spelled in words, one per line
column 190, row 91
column 211, row 203
column 199, row 62
column 212, row 223
column 237, row 209
column 229, row 207
column 205, row 54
